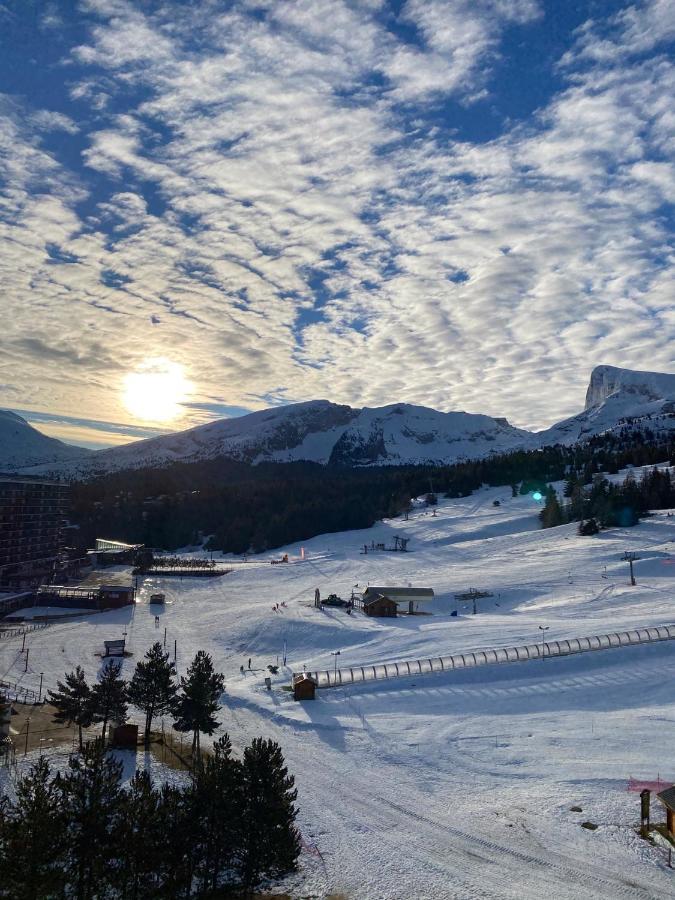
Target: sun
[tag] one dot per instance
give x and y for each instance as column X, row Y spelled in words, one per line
column 156, row 390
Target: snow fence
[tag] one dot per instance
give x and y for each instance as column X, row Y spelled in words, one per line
column 491, row 657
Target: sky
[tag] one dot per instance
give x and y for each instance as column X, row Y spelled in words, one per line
column 463, row 204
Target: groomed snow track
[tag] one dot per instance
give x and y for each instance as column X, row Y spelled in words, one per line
column 496, row 656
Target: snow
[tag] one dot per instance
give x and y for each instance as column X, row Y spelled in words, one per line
column 398, row 434
column 47, row 612
column 455, row 785
column 58, row 762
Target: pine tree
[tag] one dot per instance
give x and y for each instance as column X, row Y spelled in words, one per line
column 270, row 842
column 140, row 839
column 588, row 528
column 91, row 802
column 31, row 839
column 109, row 696
column 217, row 798
column 177, row 822
column 73, row 701
column 551, row 515
column 153, row 688
column 198, row 699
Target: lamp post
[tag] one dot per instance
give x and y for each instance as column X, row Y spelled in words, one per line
column 42, row 675
column 543, row 629
column 335, row 654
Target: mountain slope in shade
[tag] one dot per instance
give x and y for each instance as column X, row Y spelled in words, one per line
column 22, row 445
column 402, row 433
column 615, row 399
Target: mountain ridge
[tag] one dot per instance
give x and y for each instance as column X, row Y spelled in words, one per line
column 328, row 433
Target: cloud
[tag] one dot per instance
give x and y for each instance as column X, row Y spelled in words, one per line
column 284, row 199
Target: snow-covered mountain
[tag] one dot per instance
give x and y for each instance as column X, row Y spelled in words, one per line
column 324, row 432
column 318, row 431
column 617, row 399
column 401, row 433
column 22, row 445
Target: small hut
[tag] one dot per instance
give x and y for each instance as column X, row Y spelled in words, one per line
column 667, row 797
column 125, row 737
column 379, row 605
column 114, row 648
column 304, row 686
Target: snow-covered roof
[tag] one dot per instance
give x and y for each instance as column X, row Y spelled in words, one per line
column 404, row 593
column 667, row 797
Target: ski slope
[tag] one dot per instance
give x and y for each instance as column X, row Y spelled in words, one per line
column 455, row 785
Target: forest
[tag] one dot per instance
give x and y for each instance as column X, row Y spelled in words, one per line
column 241, row 508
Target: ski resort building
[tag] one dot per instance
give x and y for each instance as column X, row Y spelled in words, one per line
column 105, row 596
column 667, row 797
column 112, row 553
column 381, row 606
column 400, row 595
column 32, row 520
column 304, row 686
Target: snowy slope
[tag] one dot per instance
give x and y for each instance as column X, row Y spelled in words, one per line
column 457, row 785
column 23, row 445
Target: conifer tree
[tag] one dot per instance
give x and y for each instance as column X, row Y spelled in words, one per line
column 140, row 839
column 197, row 701
column 551, row 515
column 177, row 823
column 73, row 701
column 270, row 843
column 109, row 696
column 218, row 802
column 91, row 802
column 31, row 839
column 153, row 688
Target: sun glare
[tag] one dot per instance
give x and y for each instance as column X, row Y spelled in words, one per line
column 156, row 390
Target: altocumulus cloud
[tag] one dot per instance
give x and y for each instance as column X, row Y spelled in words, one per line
column 460, row 204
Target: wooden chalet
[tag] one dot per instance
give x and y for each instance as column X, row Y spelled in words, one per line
column 380, row 605
column 304, row 686
column 667, row 797
column 410, row 596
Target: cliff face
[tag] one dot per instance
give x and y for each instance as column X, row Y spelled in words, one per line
column 646, row 386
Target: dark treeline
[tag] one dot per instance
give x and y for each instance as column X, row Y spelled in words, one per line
column 604, row 504
column 261, row 507
column 83, row 835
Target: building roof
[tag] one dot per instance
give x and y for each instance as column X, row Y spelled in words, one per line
column 376, row 598
column 408, row 593
column 667, row 797
column 31, row 479
column 303, row 676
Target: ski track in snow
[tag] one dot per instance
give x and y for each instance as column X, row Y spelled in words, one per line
column 456, row 785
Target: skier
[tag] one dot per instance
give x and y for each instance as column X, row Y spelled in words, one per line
column 249, row 662
column 241, row 669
